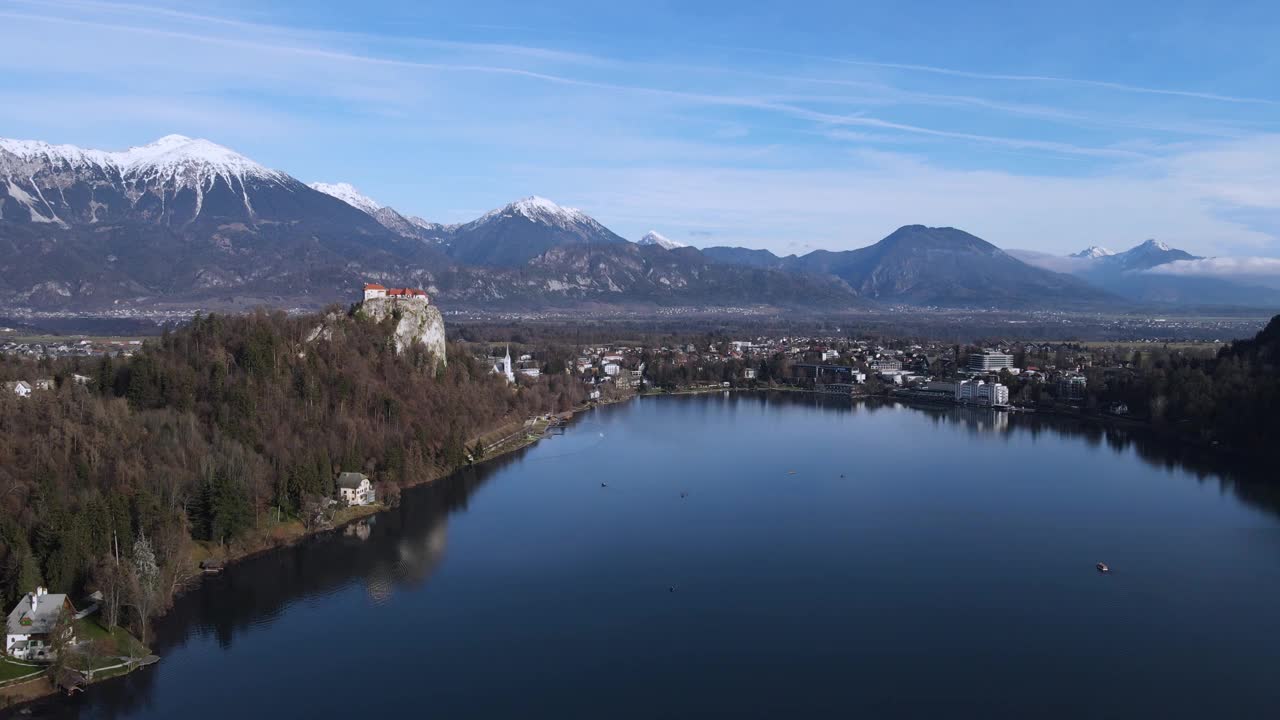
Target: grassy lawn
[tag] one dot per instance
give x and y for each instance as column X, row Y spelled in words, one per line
column 348, row 514
column 89, row 629
column 10, row 670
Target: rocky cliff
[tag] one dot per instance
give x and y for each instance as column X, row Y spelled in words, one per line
column 419, row 322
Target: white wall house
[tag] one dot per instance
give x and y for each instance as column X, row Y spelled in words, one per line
column 982, row 393
column 355, row 489
column 31, row 623
column 21, row 388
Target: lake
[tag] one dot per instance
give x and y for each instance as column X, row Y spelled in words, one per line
column 756, row 556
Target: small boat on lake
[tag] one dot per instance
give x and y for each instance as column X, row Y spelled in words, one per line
column 1103, row 568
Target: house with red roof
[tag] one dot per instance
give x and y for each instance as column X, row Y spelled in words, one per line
column 374, row 291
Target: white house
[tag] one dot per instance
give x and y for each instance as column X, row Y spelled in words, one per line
column 27, row 635
column 982, row 393
column 21, row 388
column 355, row 489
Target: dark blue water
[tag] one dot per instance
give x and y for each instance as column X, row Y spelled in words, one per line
column 827, row 560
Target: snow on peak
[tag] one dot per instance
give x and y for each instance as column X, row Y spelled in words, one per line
column 1156, row 245
column 38, row 150
column 347, row 193
column 1093, row 251
column 654, row 238
column 187, row 161
column 540, row 210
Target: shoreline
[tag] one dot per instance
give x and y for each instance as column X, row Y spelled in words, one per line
column 505, row 446
column 513, row 442
column 275, row 541
column 37, row 685
column 516, row 441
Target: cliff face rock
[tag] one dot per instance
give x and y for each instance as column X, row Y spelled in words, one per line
column 419, row 322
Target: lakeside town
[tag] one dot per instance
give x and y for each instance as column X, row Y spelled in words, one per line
column 1008, row 375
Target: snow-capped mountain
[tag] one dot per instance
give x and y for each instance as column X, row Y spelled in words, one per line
column 522, row 230
column 1147, row 255
column 1091, row 252
column 187, row 221
column 175, row 180
column 388, row 217
column 179, row 218
column 654, row 238
column 347, row 193
column 540, row 210
column 1129, row 274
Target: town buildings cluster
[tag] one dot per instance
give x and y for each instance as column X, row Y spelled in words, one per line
column 1007, row 374
column 69, row 348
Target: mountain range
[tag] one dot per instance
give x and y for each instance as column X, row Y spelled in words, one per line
column 1141, row 274
column 184, row 221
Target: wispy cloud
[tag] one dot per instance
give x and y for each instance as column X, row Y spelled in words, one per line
column 762, row 103
column 822, row 152
column 1222, row 267
column 1014, row 77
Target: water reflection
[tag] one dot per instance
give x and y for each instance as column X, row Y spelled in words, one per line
column 1248, row 479
column 401, row 549
column 395, row 550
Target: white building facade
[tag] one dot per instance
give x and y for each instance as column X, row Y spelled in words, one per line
column 32, row 622
column 978, row 392
column 355, row 489
column 990, row 361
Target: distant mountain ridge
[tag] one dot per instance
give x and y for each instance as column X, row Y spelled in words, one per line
column 931, row 266
column 188, row 221
column 1129, row 274
column 184, row 220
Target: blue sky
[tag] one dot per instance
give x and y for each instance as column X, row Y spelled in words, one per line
column 1040, row 126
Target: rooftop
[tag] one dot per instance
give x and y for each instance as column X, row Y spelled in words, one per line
column 351, row 479
column 24, row 621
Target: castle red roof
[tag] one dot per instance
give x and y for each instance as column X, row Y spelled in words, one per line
column 373, row 286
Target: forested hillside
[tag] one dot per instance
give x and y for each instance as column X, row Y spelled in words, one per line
column 213, row 432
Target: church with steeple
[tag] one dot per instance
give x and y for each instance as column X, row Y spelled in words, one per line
column 505, row 367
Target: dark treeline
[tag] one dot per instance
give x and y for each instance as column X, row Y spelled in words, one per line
column 1227, row 399
column 218, row 432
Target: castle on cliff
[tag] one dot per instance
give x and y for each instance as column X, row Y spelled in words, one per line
column 373, row 291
